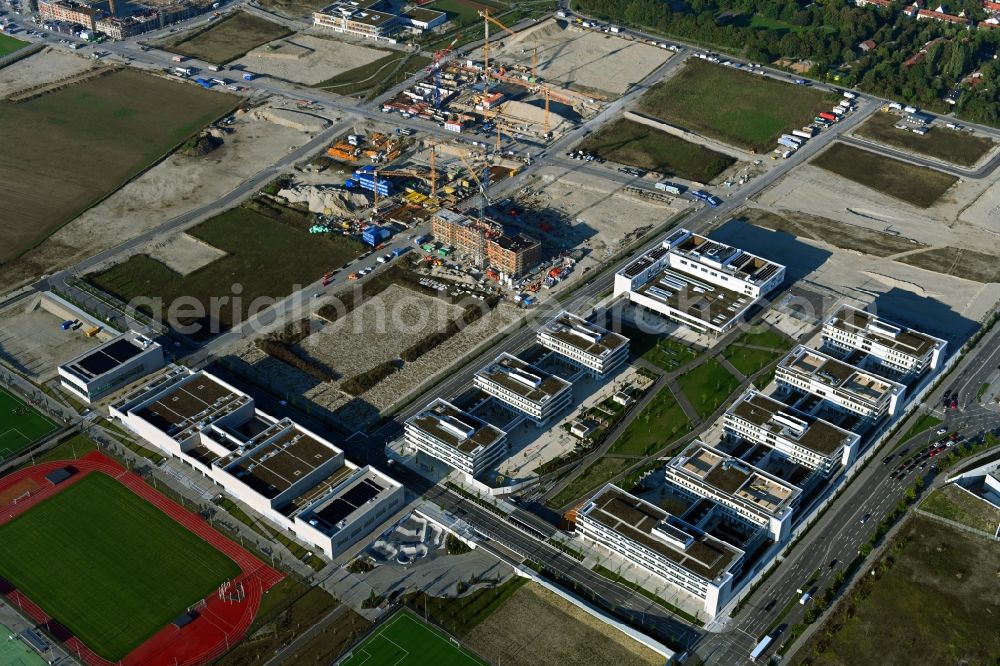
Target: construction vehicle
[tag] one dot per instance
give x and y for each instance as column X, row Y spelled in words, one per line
column 92, row 331
column 487, row 19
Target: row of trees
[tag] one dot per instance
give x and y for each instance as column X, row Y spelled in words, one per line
column 828, row 35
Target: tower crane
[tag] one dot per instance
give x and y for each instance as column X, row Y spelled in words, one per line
column 439, row 56
column 423, row 175
column 487, row 19
column 549, row 94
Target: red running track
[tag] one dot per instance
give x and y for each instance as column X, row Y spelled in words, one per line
column 220, row 622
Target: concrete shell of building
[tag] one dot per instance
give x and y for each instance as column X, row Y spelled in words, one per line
column 661, row 544
column 457, row 438
column 696, row 281
column 595, row 349
column 284, row 472
column 510, row 255
column 110, row 366
column 524, row 388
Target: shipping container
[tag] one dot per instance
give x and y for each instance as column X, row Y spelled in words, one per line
column 802, row 134
column 374, row 236
column 669, row 188
column 828, row 116
column 247, row 76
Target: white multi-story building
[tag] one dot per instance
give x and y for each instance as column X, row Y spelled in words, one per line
column 746, row 493
column 110, row 366
column 698, row 282
column 361, row 18
column 902, row 349
column 595, row 349
column 286, row 473
column 803, row 439
column 662, row 544
column 524, row 388
column 836, row 383
column 457, row 438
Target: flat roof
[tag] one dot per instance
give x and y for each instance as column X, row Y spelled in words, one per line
column 274, row 468
column 734, row 477
column 581, row 334
column 359, row 12
column 523, row 378
column 198, row 398
column 686, row 292
column 424, row 14
column 776, row 417
column 637, row 519
column 902, row 339
column 106, row 357
column 336, row 511
column 817, row 365
column 458, row 429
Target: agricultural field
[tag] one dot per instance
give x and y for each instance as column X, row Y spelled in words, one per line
column 9, row 44
column 108, row 565
column 535, row 621
column 124, row 121
column 406, row 641
column 954, row 503
column 226, row 39
column 913, row 184
column 940, row 591
column 628, row 142
column 733, row 106
column 266, row 251
column 957, row 147
column 21, row 426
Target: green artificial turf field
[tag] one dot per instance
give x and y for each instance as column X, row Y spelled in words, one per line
column 108, row 565
column 20, row 425
column 406, row 641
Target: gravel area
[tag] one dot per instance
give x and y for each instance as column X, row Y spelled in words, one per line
column 46, row 66
column 308, row 59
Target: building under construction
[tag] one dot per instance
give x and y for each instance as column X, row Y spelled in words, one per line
column 485, row 240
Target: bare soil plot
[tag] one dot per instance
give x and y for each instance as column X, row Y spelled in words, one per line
column 582, row 59
column 628, row 142
column 308, row 59
column 957, row 147
column 919, row 186
column 46, row 66
column 957, row 261
column 226, row 39
column 183, row 253
column 123, row 122
column 742, row 109
column 843, row 235
column 294, row 8
column 535, row 622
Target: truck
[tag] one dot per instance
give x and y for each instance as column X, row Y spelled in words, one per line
column 400, row 251
column 178, row 58
column 849, row 95
column 838, row 111
column 802, row 134
column 669, row 188
column 788, row 143
column 798, row 141
column 846, row 104
column 420, row 240
column 183, row 71
column 702, row 195
column 811, row 130
column 761, row 646
column 375, row 236
column 895, row 106
column 804, row 599
column 825, row 115
column 560, row 14
column 215, row 68
column 614, row 29
column 249, row 76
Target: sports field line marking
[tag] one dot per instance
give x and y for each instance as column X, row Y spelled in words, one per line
column 368, row 655
column 406, row 653
column 14, row 430
column 26, row 405
column 461, row 650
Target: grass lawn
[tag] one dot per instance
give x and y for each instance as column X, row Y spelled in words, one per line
column 406, row 641
column 937, row 601
column 74, row 447
column 708, row 386
column 749, row 361
column 913, row 184
column 20, row 425
column 659, row 349
column 600, row 472
column 268, row 252
column 662, row 421
column 956, row 504
column 124, row 122
column 743, row 109
column 464, row 12
column 228, row 38
column 108, row 565
column 628, row 142
column 925, row 422
column 377, row 76
column 962, row 148
column 9, row 44
column 460, row 615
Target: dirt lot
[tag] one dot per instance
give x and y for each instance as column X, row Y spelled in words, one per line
column 582, row 60
column 123, row 122
column 226, row 39
column 915, row 185
column 173, row 187
column 535, row 621
column 183, row 253
column 308, row 59
column 356, row 413
column 32, row 342
column 963, row 148
column 46, row 66
column 294, row 8
column 822, row 229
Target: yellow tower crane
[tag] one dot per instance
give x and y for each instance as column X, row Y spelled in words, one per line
column 487, row 19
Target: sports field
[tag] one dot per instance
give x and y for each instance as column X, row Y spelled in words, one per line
column 16, row 652
column 20, row 425
column 406, row 641
column 108, row 565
